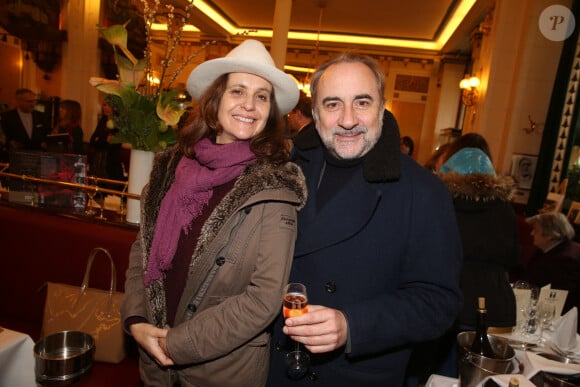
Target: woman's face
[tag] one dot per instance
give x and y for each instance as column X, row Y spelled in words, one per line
column 244, row 107
column 107, row 109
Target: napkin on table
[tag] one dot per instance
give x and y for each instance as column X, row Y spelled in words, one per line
column 564, row 335
column 536, row 363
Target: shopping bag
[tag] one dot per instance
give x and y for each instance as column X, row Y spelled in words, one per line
column 90, row 310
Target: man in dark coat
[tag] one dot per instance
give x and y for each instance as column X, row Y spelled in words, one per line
column 300, row 117
column 24, row 127
column 378, row 246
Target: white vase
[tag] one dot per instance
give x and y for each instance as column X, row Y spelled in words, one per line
column 139, row 170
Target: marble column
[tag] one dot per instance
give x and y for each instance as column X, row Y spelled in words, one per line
column 280, row 27
column 81, row 58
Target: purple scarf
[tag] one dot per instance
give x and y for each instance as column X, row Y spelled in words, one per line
column 190, row 192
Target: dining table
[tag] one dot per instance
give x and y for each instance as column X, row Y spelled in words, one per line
column 532, row 356
column 16, row 359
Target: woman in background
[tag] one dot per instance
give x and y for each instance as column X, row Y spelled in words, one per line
column 106, row 160
column 468, row 140
column 489, row 235
column 491, row 248
column 69, row 120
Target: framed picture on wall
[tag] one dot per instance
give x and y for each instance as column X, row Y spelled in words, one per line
column 523, row 169
column 553, row 203
column 574, row 212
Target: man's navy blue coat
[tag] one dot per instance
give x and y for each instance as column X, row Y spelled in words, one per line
column 385, row 250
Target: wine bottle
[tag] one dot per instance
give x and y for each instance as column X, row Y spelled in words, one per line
column 481, row 344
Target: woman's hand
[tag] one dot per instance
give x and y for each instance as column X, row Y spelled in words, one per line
column 152, row 340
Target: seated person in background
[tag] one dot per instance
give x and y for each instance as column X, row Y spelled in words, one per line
column 69, row 119
column 407, row 145
column 556, row 260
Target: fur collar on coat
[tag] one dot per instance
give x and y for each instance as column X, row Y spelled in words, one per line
column 479, row 187
column 257, row 177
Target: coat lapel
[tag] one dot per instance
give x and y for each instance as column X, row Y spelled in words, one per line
column 353, row 205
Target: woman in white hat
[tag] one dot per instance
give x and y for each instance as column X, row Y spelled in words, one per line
column 218, row 225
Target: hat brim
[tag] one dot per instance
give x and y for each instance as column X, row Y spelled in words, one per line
column 285, row 88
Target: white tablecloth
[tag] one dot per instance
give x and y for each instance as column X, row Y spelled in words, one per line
column 16, row 359
column 531, row 362
column 501, row 380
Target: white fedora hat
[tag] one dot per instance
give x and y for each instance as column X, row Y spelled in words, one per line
column 249, row 57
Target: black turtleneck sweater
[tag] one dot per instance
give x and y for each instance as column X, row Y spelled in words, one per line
column 335, row 175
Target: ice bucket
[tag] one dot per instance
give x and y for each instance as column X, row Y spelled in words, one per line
column 473, row 368
column 63, row 357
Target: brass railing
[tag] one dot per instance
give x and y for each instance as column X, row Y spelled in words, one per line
column 94, row 188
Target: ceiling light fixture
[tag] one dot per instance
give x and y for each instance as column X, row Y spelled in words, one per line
column 459, row 13
column 163, row 27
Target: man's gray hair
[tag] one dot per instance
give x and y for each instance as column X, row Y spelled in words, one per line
column 554, row 225
column 350, row 57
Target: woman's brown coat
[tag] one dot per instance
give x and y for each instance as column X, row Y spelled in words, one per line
column 246, row 246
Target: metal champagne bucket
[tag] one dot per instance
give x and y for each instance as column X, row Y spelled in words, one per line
column 473, row 367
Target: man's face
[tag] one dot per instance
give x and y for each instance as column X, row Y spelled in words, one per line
column 348, row 110
column 541, row 241
column 26, row 102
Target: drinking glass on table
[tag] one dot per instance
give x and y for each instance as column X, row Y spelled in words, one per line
column 295, row 304
column 531, row 312
column 522, row 294
column 546, row 313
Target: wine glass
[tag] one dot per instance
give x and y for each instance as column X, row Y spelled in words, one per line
column 101, row 204
column 546, row 313
column 295, row 304
column 91, row 195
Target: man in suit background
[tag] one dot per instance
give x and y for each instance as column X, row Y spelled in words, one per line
column 24, row 127
column 300, row 117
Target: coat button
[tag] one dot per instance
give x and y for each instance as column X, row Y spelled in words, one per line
column 330, row 287
column 220, row 261
column 312, row 376
column 278, row 346
column 247, row 210
column 192, row 308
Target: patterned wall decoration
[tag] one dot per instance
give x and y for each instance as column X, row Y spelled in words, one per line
column 564, row 131
column 413, row 83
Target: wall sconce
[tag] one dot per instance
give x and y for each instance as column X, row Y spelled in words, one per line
column 469, row 92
